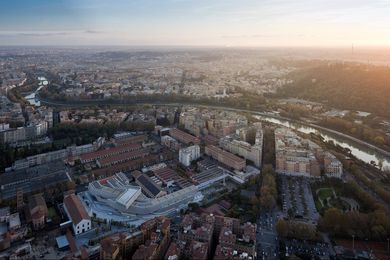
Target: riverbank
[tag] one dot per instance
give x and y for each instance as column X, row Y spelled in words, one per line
column 199, row 104
column 386, row 153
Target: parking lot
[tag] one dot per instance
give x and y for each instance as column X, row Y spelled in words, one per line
column 305, row 249
column 267, row 238
column 297, row 198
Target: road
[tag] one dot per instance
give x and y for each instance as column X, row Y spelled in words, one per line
column 267, row 237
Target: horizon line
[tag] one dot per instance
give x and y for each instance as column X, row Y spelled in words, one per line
column 201, row 46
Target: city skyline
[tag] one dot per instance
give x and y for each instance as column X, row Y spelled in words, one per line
column 195, row 23
column 194, row 129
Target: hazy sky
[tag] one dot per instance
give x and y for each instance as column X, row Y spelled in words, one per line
column 195, row 22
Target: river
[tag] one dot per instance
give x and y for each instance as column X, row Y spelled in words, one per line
column 362, row 151
column 31, row 98
column 359, row 151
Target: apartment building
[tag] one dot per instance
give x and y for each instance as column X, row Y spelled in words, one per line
column 189, row 154
column 225, row 157
column 332, row 166
column 295, row 156
column 208, row 230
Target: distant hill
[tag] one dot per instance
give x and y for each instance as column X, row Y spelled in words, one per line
column 344, row 86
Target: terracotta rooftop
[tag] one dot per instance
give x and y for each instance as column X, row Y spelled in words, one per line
column 37, row 206
column 222, row 253
column 109, row 152
column 126, row 156
column 130, row 140
column 126, row 166
column 75, row 208
column 225, row 154
column 199, row 250
column 71, row 241
column 145, row 252
column 108, row 245
column 183, row 136
column 173, row 250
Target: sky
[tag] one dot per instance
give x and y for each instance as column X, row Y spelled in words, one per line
column 196, row 22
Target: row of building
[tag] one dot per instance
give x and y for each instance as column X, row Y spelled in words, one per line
column 231, row 151
column 183, row 136
column 217, row 123
column 67, row 154
column 150, row 241
column 10, row 112
column 33, row 179
column 209, row 236
column 225, row 157
column 200, row 237
column 246, row 142
column 301, row 157
column 39, row 120
column 14, row 227
column 30, row 132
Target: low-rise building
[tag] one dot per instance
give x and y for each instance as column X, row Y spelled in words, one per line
column 33, row 179
column 37, row 211
column 63, row 154
column 106, row 153
column 183, row 136
column 115, row 190
column 74, row 208
column 121, row 158
column 148, row 186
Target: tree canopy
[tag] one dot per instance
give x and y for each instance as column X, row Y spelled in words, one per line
column 346, row 86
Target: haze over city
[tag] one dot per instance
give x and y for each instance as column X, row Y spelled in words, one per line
column 196, row 23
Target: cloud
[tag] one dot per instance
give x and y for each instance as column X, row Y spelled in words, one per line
column 250, row 36
column 46, row 33
column 92, row 32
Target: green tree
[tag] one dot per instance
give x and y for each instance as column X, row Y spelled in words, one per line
column 282, row 227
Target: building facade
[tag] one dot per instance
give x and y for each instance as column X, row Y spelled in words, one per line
column 189, row 154
column 225, row 157
column 74, row 208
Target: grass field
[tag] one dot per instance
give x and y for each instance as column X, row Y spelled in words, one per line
column 325, row 193
column 322, row 196
column 51, row 213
